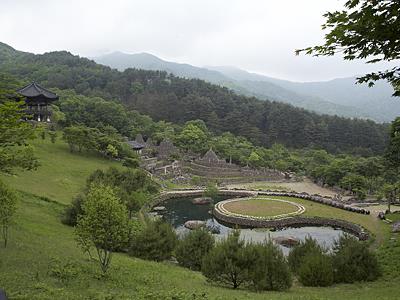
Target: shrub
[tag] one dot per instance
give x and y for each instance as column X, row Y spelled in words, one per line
column 53, row 136
column 43, row 134
column 63, row 270
column 316, row 269
column 193, row 247
column 70, row 215
column 8, row 206
column 353, row 261
column 298, row 253
column 361, row 194
column 104, row 224
column 229, row 262
column 133, row 188
column 211, row 191
column 270, row 270
column 131, row 162
column 155, row 241
column 111, row 151
column 196, row 180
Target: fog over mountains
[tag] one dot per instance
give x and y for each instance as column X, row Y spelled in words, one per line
column 335, row 97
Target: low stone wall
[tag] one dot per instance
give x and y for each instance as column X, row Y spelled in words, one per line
column 316, row 198
column 352, row 228
column 214, row 165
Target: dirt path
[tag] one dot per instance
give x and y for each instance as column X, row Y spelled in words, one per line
column 303, row 186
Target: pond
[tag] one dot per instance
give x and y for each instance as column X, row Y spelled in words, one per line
column 180, row 210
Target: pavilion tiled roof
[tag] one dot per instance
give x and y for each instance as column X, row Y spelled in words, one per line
column 35, row 90
column 135, row 145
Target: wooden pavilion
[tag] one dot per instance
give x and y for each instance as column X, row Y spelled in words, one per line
column 38, row 100
column 137, row 147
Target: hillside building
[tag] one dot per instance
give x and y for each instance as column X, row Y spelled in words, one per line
column 38, row 101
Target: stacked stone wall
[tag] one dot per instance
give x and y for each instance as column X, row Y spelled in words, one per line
column 231, row 173
column 316, row 198
column 352, row 228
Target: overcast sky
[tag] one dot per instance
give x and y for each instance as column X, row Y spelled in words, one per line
column 256, row 35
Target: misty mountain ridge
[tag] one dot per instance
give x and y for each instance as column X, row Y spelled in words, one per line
column 334, row 97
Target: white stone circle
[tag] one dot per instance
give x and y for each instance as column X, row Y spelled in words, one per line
column 221, row 209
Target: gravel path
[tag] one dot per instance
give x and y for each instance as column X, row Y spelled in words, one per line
column 303, row 186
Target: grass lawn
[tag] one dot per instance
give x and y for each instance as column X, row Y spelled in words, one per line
column 42, row 261
column 393, row 217
column 61, row 174
column 260, row 207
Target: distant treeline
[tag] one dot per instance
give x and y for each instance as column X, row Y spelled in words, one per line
column 166, row 97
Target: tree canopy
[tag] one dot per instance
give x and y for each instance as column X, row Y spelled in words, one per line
column 15, row 151
column 103, row 224
column 366, row 29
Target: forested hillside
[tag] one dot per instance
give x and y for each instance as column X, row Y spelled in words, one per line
column 340, row 97
column 166, row 97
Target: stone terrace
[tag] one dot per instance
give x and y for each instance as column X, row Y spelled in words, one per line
column 211, row 166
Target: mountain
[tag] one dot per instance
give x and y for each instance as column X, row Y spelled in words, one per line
column 376, row 103
column 146, row 61
column 336, row 97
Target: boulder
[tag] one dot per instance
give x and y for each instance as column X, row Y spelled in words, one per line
column 381, row 215
column 194, row 224
column 154, row 216
column 202, row 200
column 286, row 241
column 159, row 208
column 214, row 229
column 396, row 226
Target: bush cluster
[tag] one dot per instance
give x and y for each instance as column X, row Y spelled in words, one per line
column 353, row 261
column 155, row 241
column 106, row 141
column 235, row 263
column 350, row 261
column 193, row 247
column 316, row 270
column 132, row 186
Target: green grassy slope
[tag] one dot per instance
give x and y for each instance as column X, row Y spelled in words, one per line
column 61, row 174
column 33, row 267
column 43, row 261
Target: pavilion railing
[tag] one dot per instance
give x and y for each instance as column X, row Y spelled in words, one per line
column 41, row 110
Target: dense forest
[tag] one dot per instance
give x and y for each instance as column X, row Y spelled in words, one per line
column 166, row 97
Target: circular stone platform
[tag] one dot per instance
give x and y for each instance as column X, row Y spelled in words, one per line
column 259, row 208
